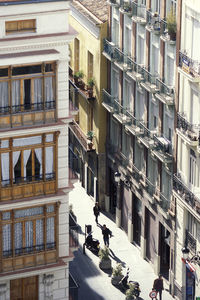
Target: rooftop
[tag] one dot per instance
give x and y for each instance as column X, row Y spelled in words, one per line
column 95, row 10
column 15, row 2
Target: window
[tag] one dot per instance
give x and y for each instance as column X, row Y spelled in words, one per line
column 27, row 159
column 155, row 5
column 90, row 65
column 192, row 225
column 27, row 88
column 20, row 26
column 115, row 35
column 193, row 167
column 76, row 54
column 28, row 230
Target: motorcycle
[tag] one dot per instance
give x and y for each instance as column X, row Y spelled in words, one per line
column 124, row 285
column 91, row 244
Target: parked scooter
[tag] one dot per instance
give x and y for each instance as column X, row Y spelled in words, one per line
column 90, row 243
column 124, row 285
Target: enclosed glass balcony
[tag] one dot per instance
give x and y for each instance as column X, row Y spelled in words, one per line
column 139, row 13
column 189, row 67
column 165, row 93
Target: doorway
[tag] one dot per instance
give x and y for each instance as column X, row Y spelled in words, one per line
column 164, row 251
column 137, row 220
column 151, row 237
column 24, row 288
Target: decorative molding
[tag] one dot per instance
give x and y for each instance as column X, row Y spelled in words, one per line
column 37, row 46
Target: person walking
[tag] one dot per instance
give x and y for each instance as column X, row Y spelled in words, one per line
column 106, row 233
column 158, row 285
column 96, row 210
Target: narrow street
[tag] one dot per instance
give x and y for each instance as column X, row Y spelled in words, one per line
column 94, row 283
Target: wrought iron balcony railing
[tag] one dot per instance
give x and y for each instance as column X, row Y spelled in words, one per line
column 146, row 136
column 150, row 187
column 73, row 232
column 190, row 130
column 134, row 70
column 165, row 93
column 164, row 202
column 132, row 124
column 109, row 102
column 139, row 13
column 185, row 193
column 108, row 49
column 148, row 77
column 153, row 22
column 119, row 58
column 34, row 107
column 189, row 66
column 120, row 111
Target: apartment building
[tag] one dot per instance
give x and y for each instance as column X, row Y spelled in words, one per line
column 88, row 77
column 140, row 105
column 34, row 117
column 186, row 181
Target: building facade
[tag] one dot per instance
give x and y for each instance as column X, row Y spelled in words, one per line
column 34, row 117
column 88, row 76
column 140, row 105
column 186, row 182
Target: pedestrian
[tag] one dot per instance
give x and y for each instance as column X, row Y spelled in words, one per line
column 96, row 210
column 106, row 233
column 158, row 285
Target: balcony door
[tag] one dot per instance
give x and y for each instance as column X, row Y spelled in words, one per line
column 24, row 288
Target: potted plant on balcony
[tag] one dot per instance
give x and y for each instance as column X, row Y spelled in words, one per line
column 105, row 261
column 116, row 274
column 78, row 76
column 171, row 25
column 90, row 86
column 90, row 136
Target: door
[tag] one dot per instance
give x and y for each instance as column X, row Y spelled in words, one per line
column 150, row 235
column 126, row 208
column 137, row 213
column 24, row 288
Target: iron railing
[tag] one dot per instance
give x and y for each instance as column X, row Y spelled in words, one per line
column 166, row 146
column 139, row 10
column 39, row 177
column 191, row 242
column 150, row 187
column 109, row 100
column 153, row 21
column 108, row 48
column 148, row 77
column 164, row 89
column 192, row 66
column 191, row 130
column 29, row 250
column 73, row 232
column 131, row 120
column 165, row 203
column 28, row 107
column 119, row 56
column 133, row 66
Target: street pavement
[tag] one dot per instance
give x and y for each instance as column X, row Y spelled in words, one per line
column 95, row 284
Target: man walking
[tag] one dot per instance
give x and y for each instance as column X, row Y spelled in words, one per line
column 106, row 233
column 158, row 285
column 96, row 210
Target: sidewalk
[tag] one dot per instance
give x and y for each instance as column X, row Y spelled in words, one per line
column 121, row 249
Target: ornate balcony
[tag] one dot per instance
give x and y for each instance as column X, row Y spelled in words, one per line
column 139, row 13
column 165, row 94
column 185, row 194
column 126, row 7
column 165, row 37
column 187, row 131
column 189, row 67
column 149, row 82
column 153, row 22
column 81, row 137
column 146, row 137
column 108, row 49
column 132, row 124
column 120, row 59
column 162, row 149
column 134, row 70
column 109, row 102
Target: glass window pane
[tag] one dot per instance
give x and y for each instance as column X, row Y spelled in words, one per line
column 39, row 235
column 18, row 239
column 27, row 141
column 7, row 251
column 50, row 208
column 29, row 236
column 6, row 215
column 50, row 233
column 4, row 143
column 22, row 213
column 49, row 137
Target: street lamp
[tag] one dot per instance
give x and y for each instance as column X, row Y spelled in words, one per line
column 117, row 176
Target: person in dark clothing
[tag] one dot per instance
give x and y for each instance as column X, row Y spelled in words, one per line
column 158, row 285
column 106, row 233
column 96, row 210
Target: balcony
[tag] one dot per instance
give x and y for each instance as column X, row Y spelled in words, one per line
column 149, row 190
column 134, row 70
column 74, row 168
column 27, row 114
column 165, row 37
column 109, row 102
column 73, row 233
column 139, row 13
column 73, row 91
column 120, row 59
column 187, row 131
column 120, row 113
column 149, row 82
column 73, row 288
column 136, row 177
column 165, row 94
column 132, row 124
column 146, row 137
column 185, row 194
column 153, row 22
column 115, row 3
column 162, row 149
column 81, row 137
column 188, row 67
column 108, row 49
column 126, row 8
column 164, row 205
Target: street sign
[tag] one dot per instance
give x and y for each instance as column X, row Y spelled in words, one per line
column 153, row 294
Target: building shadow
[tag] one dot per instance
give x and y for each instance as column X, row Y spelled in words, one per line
column 117, row 259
